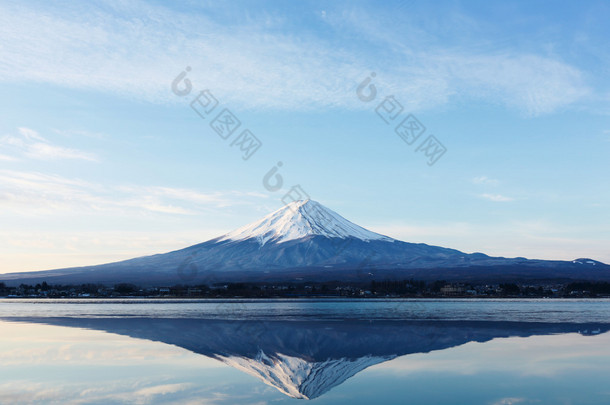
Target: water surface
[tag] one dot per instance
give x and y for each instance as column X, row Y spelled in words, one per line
column 290, row 351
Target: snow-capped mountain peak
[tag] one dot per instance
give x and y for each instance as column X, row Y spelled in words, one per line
column 300, row 219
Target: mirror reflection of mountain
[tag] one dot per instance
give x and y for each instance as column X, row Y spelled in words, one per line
column 306, row 358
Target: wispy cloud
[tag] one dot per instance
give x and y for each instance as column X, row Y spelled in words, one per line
column 7, row 158
column 164, row 389
column 526, row 82
column 31, row 144
column 136, row 49
column 496, row 197
column 485, row 181
column 509, row 401
column 80, row 133
column 34, row 193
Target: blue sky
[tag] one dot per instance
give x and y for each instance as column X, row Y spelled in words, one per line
column 101, row 161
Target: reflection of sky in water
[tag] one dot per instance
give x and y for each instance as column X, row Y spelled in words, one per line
column 42, row 363
column 49, row 363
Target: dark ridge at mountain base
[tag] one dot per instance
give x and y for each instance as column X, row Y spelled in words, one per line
column 478, row 274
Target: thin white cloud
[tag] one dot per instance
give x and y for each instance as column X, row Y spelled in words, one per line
column 34, row 193
column 496, row 197
column 80, row 133
column 136, row 49
column 157, row 390
column 7, row 158
column 46, row 151
column 30, row 134
column 485, row 181
column 532, row 83
column 46, row 200
column 526, row 82
column 31, row 144
column 509, row 401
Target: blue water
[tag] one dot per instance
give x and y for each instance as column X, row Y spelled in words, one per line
column 495, row 352
column 529, row 310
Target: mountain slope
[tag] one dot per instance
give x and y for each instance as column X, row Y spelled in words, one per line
column 306, row 241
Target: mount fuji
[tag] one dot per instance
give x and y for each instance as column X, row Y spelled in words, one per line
column 305, row 241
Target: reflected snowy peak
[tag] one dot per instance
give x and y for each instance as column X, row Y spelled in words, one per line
column 297, row 377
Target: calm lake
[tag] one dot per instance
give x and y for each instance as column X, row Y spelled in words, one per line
column 495, row 352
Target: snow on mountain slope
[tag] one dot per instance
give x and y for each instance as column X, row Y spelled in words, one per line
column 300, row 219
column 299, row 378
